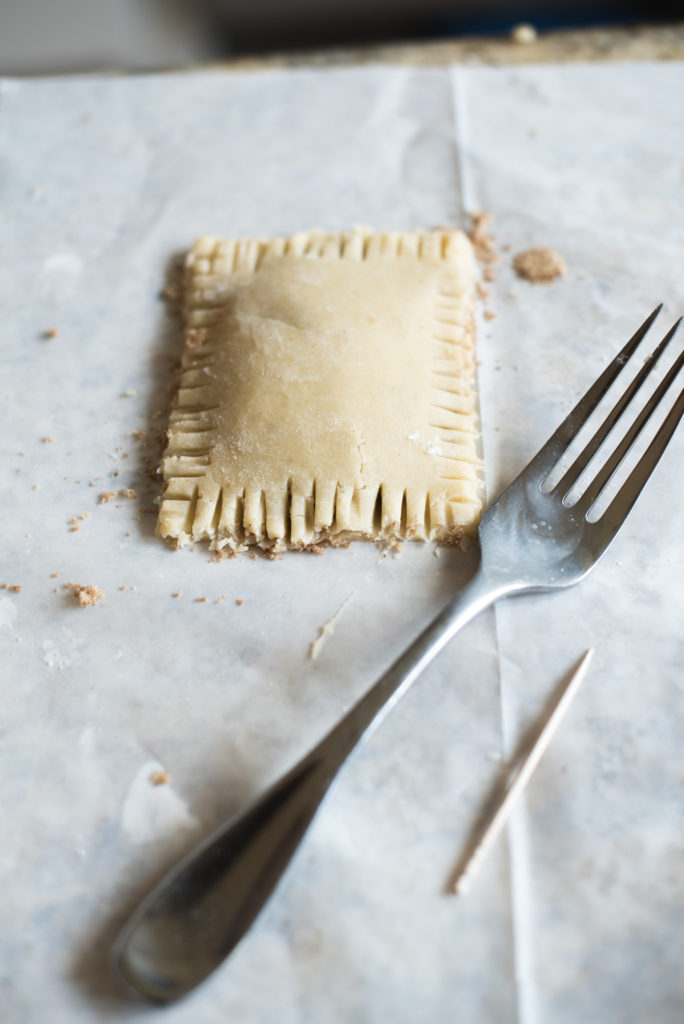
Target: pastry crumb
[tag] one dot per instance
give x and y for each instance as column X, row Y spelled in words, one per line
column 195, row 336
column 221, row 554
column 47, row 439
column 129, row 393
column 338, row 542
column 122, row 588
column 172, row 293
column 52, row 332
column 489, row 314
column 393, row 544
column 74, row 529
column 200, row 600
column 106, row 496
column 239, row 602
column 139, row 435
column 482, row 241
column 85, row 594
column 523, row 34
column 177, row 594
column 128, row 492
column 539, row 265
column 160, row 777
column 54, row 575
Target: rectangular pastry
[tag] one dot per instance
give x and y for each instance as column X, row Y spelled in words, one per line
column 327, row 392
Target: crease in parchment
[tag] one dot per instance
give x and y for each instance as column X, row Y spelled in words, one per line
column 517, row 830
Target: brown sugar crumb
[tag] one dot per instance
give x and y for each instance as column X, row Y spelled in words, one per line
column 128, row 492
column 195, row 336
column 16, row 588
column 336, row 542
column 85, row 594
column 539, row 266
column 52, row 332
column 239, row 602
column 106, row 496
column 200, row 600
column 47, row 440
column 177, row 594
column 122, row 588
column 222, row 553
column 160, row 777
column 483, row 242
column 489, row 314
column 392, row 544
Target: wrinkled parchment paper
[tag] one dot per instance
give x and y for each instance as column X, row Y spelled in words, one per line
column 576, row 916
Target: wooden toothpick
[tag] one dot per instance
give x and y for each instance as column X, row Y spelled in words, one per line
column 520, row 776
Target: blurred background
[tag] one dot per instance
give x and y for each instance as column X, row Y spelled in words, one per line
column 56, row 36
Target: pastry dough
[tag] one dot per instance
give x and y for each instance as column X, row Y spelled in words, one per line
column 327, row 392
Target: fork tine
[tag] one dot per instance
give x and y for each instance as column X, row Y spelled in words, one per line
column 572, row 474
column 606, row 471
column 549, row 454
column 605, row 528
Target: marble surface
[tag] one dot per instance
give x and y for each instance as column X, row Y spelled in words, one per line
column 576, row 915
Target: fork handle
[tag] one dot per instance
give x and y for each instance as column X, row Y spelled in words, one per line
column 195, row 917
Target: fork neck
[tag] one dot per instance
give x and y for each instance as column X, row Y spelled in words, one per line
column 481, row 590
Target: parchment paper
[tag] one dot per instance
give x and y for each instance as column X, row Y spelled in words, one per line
column 576, row 916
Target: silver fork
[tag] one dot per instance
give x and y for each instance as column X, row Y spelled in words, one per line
column 531, row 540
